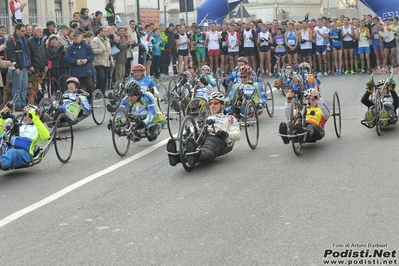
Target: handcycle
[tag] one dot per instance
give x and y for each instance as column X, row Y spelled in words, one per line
column 379, row 105
column 124, row 130
column 297, row 118
column 98, row 107
column 61, row 138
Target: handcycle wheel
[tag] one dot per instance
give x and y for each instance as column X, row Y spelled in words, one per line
column 163, row 93
column 154, row 79
column 337, row 115
column 46, row 107
column 259, row 73
column 251, row 124
column 204, row 111
column 118, row 88
column 19, row 97
column 173, row 117
column 188, row 129
column 121, row 132
column 377, row 111
column 295, row 115
column 219, row 73
column 229, row 88
column 270, row 98
column 98, row 107
column 172, row 87
column 284, row 88
column 63, row 138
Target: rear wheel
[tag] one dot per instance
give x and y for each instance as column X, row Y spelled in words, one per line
column 204, row 111
column 337, row 115
column 46, row 108
column 188, row 129
column 163, row 93
column 63, row 138
column 295, row 117
column 121, row 132
column 270, row 99
column 98, row 107
column 173, row 117
column 251, row 124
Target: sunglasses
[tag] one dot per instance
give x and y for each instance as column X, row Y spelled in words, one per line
column 313, row 99
column 214, row 103
column 290, row 98
column 244, row 77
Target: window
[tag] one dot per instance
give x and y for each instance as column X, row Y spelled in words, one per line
column 32, row 12
column 58, row 11
column 4, row 17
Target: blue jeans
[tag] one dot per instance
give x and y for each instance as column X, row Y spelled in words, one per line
column 15, row 158
column 20, row 86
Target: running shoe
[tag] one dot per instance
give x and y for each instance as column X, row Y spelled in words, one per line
column 352, row 71
column 336, row 73
column 325, row 74
column 339, row 72
column 346, row 72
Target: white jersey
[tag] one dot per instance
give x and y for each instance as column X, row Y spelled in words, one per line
column 386, row 35
column 306, row 37
column 213, row 37
column 320, row 40
column 183, row 39
column 264, row 38
column 233, row 41
column 345, row 31
column 17, row 13
column 247, row 35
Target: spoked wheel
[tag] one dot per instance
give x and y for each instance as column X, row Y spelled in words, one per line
column 19, row 98
column 118, row 88
column 259, row 73
column 121, row 132
column 284, row 88
column 98, row 107
column 163, row 93
column 337, row 115
column 54, row 86
column 188, row 129
column 220, row 86
column 63, row 138
column 173, row 117
column 270, row 99
column 251, row 124
column 204, row 111
column 154, row 79
column 172, row 87
column 377, row 111
column 219, row 73
column 45, row 109
column 295, row 115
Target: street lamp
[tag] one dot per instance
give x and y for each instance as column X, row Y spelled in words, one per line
column 165, row 4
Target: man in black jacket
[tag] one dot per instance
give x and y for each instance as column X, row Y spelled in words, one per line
column 169, row 32
column 17, row 53
column 37, row 50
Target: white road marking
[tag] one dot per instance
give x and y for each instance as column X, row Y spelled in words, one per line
column 70, row 188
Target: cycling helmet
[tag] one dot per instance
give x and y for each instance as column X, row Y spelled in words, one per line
column 187, row 74
column 132, row 88
column 138, row 67
column 277, row 82
column 217, row 95
column 245, row 70
column 73, row 80
column 242, row 59
column 205, row 67
column 304, row 65
column 307, row 92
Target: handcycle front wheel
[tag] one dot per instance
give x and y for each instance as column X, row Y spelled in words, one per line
column 337, row 115
column 173, row 117
column 121, row 132
column 98, row 107
column 251, row 124
column 270, row 99
column 188, row 130
column 377, row 111
column 45, row 108
column 295, row 115
column 63, row 138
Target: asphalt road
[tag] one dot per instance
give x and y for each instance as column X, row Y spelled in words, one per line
column 250, row 207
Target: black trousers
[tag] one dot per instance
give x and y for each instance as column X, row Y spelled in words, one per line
column 211, row 148
column 102, row 75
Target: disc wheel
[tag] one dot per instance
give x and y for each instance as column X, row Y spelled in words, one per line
column 98, row 107
column 295, row 116
column 173, row 117
column 63, row 138
column 251, row 124
column 270, row 99
column 337, row 115
column 188, row 129
column 121, row 132
column 377, row 110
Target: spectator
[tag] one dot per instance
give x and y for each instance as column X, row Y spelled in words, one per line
column 86, row 20
column 121, row 57
column 53, row 54
column 16, row 9
column 28, row 31
column 18, row 54
column 162, row 58
column 63, row 40
column 75, row 19
column 96, row 22
column 49, row 30
column 110, row 9
column 3, row 31
column 79, row 56
column 168, row 49
column 102, row 57
column 156, row 53
column 134, row 49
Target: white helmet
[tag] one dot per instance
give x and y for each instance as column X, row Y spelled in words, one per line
column 304, row 65
column 217, row 96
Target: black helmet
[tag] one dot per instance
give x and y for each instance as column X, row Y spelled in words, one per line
column 132, row 88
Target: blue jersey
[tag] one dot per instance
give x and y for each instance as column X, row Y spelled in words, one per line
column 336, row 37
column 146, row 83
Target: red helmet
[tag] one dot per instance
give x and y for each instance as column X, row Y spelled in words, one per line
column 242, row 59
column 73, row 80
column 138, row 67
column 245, row 70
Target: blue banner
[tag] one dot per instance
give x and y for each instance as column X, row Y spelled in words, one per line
column 383, row 8
column 214, row 11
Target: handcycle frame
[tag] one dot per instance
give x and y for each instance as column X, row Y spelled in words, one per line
column 298, row 116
